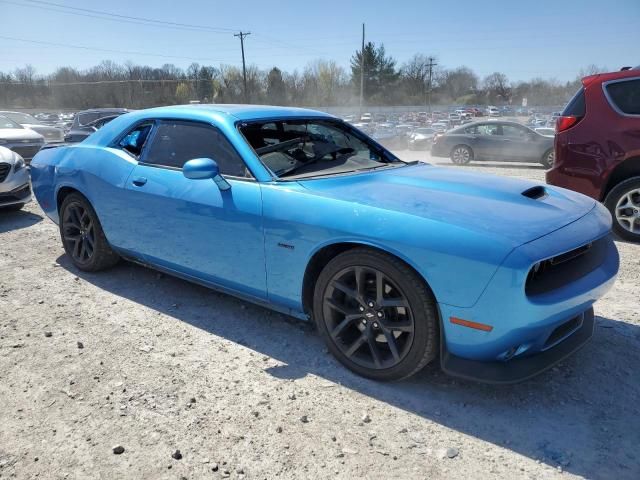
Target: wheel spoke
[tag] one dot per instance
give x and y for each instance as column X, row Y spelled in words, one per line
column 379, row 288
column 337, row 307
column 76, row 248
column 373, row 347
column 406, row 326
column 353, row 348
column 391, row 341
column 350, row 292
column 83, row 249
column 361, row 282
column 393, row 303
column 343, row 324
column 72, row 238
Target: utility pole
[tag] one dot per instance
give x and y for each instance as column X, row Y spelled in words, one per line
column 244, row 68
column 430, row 65
column 362, row 72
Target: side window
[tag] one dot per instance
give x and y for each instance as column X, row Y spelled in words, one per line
column 176, row 142
column 133, row 142
column 626, row 96
column 512, row 131
column 488, row 129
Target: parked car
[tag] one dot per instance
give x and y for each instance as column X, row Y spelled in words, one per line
column 421, row 138
column 387, row 136
column 493, row 111
column 50, row 134
column 397, row 263
column 87, row 122
column 494, row 141
column 598, row 146
column 546, row 131
column 24, row 141
column 15, row 190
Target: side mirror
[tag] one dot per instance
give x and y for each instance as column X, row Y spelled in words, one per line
column 204, row 168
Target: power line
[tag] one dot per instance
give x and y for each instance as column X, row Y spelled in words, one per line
column 106, row 50
column 244, row 68
column 129, row 17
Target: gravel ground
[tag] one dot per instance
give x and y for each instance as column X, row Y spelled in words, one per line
column 154, row 365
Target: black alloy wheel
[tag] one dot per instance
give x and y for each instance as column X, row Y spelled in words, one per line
column 376, row 315
column 82, row 236
column 78, row 233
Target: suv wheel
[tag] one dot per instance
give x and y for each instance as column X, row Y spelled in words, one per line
column 623, row 201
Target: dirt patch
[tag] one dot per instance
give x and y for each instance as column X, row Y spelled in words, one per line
column 132, row 374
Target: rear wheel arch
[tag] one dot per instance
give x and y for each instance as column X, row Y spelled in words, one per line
column 63, row 193
column 623, row 171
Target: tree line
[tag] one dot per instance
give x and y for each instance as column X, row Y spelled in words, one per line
column 321, row 83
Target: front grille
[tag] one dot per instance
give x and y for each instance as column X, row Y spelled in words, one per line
column 556, row 272
column 27, row 152
column 5, row 168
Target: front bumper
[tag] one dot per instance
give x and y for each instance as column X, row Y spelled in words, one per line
column 15, row 188
column 526, row 323
column 523, row 368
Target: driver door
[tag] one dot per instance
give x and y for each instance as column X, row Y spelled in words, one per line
column 191, row 226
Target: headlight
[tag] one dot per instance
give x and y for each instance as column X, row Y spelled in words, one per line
column 19, row 163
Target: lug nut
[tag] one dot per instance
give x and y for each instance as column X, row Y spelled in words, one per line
column 379, row 314
column 375, row 324
column 370, row 304
column 361, row 308
column 364, row 322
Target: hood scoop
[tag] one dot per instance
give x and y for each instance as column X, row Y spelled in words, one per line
column 536, row 193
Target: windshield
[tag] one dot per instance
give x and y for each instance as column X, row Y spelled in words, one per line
column 8, row 123
column 308, row 148
column 21, row 117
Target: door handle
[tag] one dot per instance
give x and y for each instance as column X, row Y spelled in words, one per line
column 139, row 181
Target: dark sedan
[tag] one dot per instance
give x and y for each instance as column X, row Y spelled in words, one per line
column 494, row 141
column 89, row 121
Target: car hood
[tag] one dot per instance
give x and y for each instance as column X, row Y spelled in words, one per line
column 489, row 204
column 19, row 134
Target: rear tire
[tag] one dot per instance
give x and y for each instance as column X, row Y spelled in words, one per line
column 82, row 235
column 623, row 201
column 376, row 315
column 461, row 154
column 548, row 158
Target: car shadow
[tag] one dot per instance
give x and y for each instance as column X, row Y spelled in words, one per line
column 527, row 166
column 14, row 220
column 581, row 416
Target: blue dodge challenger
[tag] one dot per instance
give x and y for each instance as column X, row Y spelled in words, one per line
column 396, row 262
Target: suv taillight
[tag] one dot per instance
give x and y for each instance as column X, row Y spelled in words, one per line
column 566, row 122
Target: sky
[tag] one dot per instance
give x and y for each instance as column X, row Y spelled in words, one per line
column 521, row 38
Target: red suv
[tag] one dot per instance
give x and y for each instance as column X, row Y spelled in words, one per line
column 597, row 146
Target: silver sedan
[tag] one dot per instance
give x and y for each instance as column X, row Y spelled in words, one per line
column 24, row 141
column 15, row 188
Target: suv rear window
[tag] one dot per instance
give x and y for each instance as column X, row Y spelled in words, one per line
column 625, row 96
column 575, row 107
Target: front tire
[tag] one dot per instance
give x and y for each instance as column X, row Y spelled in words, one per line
column 623, row 201
column 461, row 154
column 376, row 315
column 82, row 235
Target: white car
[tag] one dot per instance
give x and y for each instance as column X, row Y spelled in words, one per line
column 493, row 111
column 50, row 134
column 15, row 189
column 24, row 141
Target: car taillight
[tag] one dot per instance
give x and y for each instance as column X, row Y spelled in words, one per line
column 566, row 122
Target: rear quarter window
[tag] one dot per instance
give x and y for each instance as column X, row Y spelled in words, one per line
column 576, row 106
column 625, row 96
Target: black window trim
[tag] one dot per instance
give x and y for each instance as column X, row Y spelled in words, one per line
column 610, row 100
column 152, row 134
column 116, row 142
